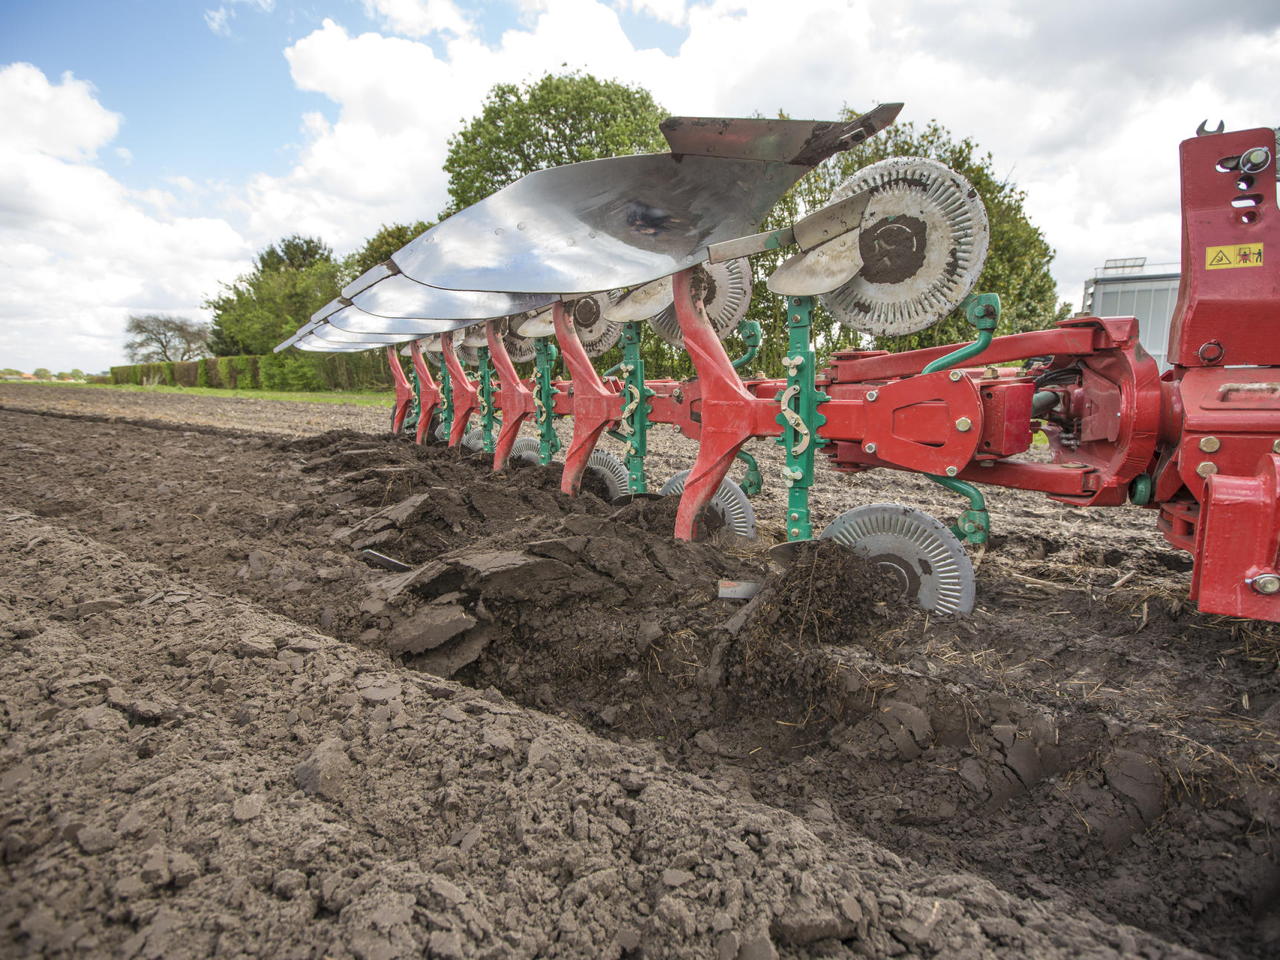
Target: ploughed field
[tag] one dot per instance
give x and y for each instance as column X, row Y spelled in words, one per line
column 225, row 733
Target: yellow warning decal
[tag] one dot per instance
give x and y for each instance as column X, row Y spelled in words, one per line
column 1235, row 255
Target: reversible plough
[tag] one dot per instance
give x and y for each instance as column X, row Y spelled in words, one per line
column 563, row 264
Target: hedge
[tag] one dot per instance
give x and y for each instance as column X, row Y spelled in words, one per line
column 290, row 370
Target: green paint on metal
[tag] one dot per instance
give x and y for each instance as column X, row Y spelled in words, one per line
column 544, row 398
column 974, row 524
column 752, row 337
column 446, row 399
column 778, row 239
column 753, row 482
column 633, row 425
column 488, row 416
column 800, row 418
column 1140, row 490
column 415, row 405
column 982, row 310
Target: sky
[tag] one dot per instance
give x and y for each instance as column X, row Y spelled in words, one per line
column 150, row 147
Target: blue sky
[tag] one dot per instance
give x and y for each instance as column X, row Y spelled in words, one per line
column 150, row 147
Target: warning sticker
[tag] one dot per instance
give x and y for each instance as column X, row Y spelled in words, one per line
column 1235, row 255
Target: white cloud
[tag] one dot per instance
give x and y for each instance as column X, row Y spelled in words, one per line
column 419, row 18
column 219, row 21
column 80, row 251
column 124, row 154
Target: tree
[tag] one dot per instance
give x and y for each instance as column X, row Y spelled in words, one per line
column 161, row 337
column 41, row 373
column 1018, row 259
column 382, row 245
column 289, row 282
column 557, row 120
column 77, row 373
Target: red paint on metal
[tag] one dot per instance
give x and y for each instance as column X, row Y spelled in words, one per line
column 594, row 406
column 1227, row 316
column 514, row 398
column 466, row 398
column 404, row 390
column 428, row 391
column 728, row 413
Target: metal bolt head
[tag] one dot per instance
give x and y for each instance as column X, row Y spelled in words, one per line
column 869, row 447
column 1210, row 444
column 955, row 375
column 871, row 395
column 795, row 516
column 952, row 471
column 964, row 424
column 794, row 532
column 1254, row 160
column 1207, row 469
column 1275, row 447
column 1266, row 584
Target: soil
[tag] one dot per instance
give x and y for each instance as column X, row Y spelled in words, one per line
column 229, row 731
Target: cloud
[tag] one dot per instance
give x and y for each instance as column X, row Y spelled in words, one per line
column 219, row 21
column 419, row 18
column 81, row 251
column 674, row 12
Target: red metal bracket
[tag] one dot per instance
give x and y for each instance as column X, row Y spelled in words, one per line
column 595, row 408
column 730, row 413
column 514, row 398
column 404, row 390
column 428, row 390
column 1236, row 541
column 466, row 398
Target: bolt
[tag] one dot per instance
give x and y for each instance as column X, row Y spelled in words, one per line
column 1266, row 584
column 795, row 516
column 869, row 447
column 952, row 471
column 871, row 395
column 1210, row 444
column 1275, row 447
column 1207, row 469
column 793, row 532
column 955, row 375
column 964, row 424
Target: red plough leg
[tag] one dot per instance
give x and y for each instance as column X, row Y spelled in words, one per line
column 596, row 408
column 515, row 400
column 466, row 399
column 404, row 391
column 730, row 414
column 428, row 391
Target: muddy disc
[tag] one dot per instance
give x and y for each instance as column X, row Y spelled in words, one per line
column 918, row 552
column 729, row 500
column 923, row 242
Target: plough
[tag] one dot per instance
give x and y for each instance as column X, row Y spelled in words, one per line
column 518, row 279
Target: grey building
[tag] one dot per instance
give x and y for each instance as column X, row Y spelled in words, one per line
column 1130, row 287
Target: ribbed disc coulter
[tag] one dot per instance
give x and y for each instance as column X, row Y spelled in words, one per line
column 922, row 555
